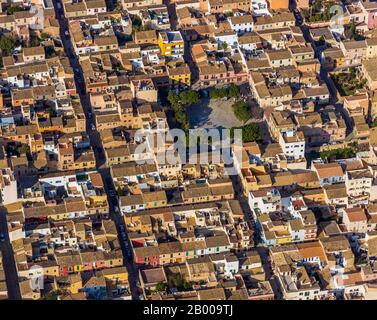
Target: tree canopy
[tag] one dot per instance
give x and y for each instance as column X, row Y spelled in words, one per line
column 176, row 281
column 241, row 111
column 160, row 287
column 7, row 44
column 12, row 9
column 231, row 92
column 179, row 102
column 250, row 132
column 137, row 24
column 189, row 97
column 345, row 153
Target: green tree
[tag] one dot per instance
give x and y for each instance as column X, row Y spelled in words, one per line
column 175, row 280
column 250, row 133
column 173, row 98
column 179, row 103
column 182, row 119
column 316, row 6
column 233, row 91
column 12, row 9
column 350, row 31
column 160, row 287
column 187, row 285
column 185, row 97
column 45, row 36
column 7, row 44
column 218, row 93
column 137, row 24
column 353, row 72
column 344, row 153
column 189, row 97
column 213, row 94
column 241, row 110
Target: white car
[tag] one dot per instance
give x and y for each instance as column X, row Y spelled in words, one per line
column 93, row 127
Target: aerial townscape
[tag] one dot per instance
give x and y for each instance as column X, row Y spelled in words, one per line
column 90, row 209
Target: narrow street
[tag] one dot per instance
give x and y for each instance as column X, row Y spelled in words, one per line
column 95, row 142
column 8, row 261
